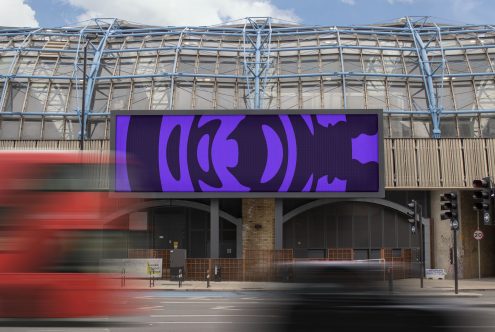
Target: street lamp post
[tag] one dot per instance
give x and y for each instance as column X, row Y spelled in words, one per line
column 83, row 131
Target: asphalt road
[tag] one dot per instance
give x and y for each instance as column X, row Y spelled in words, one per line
column 246, row 311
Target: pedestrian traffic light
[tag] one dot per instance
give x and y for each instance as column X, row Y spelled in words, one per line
column 449, row 209
column 483, row 197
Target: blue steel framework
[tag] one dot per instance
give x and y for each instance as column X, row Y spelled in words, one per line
column 411, row 66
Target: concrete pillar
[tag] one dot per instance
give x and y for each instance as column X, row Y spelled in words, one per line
column 214, row 229
column 258, row 224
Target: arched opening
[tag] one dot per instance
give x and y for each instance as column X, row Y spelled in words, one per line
column 356, row 230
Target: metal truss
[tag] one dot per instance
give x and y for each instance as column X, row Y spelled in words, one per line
column 254, row 36
column 428, row 69
column 256, row 39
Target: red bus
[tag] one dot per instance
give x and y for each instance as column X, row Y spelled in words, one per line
column 54, row 230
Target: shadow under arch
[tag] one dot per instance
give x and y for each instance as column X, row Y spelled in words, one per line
column 173, row 202
column 320, row 202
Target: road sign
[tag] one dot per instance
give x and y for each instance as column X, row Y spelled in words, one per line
column 478, row 235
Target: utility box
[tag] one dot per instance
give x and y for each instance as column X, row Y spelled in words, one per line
column 177, row 263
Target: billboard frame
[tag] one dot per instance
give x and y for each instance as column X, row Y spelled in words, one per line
column 224, row 194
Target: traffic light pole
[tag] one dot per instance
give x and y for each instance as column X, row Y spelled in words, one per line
column 421, row 245
column 456, row 277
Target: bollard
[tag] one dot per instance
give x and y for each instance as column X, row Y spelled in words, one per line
column 207, row 278
column 180, row 278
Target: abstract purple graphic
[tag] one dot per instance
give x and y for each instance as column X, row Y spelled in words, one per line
column 247, row 153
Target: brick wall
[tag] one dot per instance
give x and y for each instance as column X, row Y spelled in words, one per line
column 258, row 224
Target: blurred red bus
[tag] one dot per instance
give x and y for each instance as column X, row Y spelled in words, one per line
column 54, row 229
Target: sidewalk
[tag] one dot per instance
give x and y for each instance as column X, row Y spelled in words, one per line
column 406, row 286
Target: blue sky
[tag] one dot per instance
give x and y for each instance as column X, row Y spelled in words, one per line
column 53, row 13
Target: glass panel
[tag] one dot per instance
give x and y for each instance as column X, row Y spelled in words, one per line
column 310, row 64
column 9, row 129
column 355, row 94
column 485, row 92
column 479, row 63
column 227, row 66
column 165, row 64
column 207, row 64
column 271, row 96
column 120, row 97
column 26, row 65
column 53, row 129
column 141, row 94
column 74, row 99
column 159, row 100
column 288, row 65
column 225, row 96
column 332, row 94
column 393, row 65
column 418, row 96
column 125, row 66
column 31, row 129
column 183, row 96
column 352, row 63
column 376, row 94
column 421, row 126
column 36, row 97
column 57, row 98
column 204, row 96
column 5, row 63
column 330, row 63
column 16, row 95
column 372, row 64
column 101, row 99
column 187, row 64
column 457, row 64
column 311, row 97
column 488, row 125
column 464, row 95
column 398, row 96
column 72, row 129
column 107, row 66
column 97, row 129
column 289, row 96
column 146, row 65
column 468, row 126
column 45, row 67
column 448, row 126
column 400, row 126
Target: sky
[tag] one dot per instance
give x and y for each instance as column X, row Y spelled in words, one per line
column 56, row 13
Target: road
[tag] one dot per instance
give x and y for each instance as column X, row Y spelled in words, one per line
column 241, row 311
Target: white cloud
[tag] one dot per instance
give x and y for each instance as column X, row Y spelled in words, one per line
column 180, row 12
column 408, row 2
column 349, row 2
column 17, row 13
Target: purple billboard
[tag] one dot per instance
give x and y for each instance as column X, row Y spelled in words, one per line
column 244, row 154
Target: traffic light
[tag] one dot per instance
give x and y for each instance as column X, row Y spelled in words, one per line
column 483, row 199
column 412, row 214
column 449, row 209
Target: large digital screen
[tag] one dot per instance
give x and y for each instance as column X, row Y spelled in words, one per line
column 254, row 153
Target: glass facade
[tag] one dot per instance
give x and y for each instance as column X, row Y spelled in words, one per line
column 132, row 67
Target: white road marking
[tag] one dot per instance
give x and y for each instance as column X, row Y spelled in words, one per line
column 229, row 315
column 227, row 307
column 215, row 302
column 154, row 307
column 191, row 323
